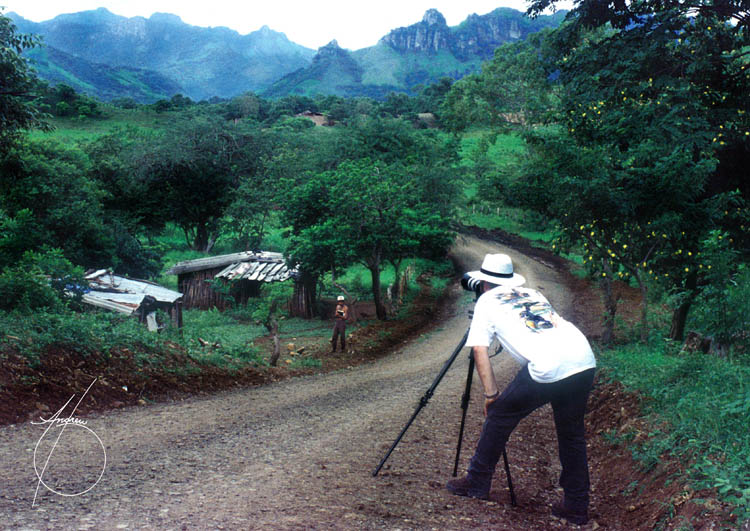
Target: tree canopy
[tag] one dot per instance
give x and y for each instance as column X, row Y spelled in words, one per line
column 17, row 84
column 637, row 133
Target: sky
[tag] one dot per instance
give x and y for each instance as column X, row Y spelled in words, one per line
column 312, row 23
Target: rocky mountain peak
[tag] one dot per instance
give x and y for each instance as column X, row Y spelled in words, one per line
column 433, row 16
column 332, row 49
column 430, row 35
column 333, row 45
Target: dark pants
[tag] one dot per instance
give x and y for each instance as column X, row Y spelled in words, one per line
column 568, row 398
column 339, row 329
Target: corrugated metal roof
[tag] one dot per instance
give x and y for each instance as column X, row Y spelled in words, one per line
column 261, row 267
column 124, row 295
column 261, row 271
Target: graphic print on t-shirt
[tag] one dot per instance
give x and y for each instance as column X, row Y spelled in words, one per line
column 532, row 312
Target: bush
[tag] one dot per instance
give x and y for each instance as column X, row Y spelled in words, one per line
column 721, row 309
column 86, row 333
column 702, row 404
column 40, row 280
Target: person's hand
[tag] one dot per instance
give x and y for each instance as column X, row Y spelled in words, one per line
column 487, row 402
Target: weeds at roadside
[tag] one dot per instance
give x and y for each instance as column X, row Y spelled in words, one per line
column 700, row 403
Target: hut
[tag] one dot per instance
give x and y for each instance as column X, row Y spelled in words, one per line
column 316, row 117
column 241, row 274
column 139, row 298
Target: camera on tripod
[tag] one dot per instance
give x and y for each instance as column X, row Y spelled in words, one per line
column 470, row 283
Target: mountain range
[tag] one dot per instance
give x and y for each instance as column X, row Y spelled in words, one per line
column 110, row 56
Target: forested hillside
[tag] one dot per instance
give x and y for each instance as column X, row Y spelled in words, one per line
column 158, row 57
column 620, row 140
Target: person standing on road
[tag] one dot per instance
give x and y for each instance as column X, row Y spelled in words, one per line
column 557, row 367
column 339, row 327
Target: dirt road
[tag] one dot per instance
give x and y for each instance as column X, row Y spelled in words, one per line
column 293, row 455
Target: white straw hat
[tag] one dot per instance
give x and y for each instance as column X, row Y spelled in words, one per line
column 340, row 298
column 498, row 269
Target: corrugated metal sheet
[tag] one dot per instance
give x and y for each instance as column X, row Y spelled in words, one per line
column 122, row 294
column 259, row 270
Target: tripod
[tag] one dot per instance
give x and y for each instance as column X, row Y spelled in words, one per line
column 464, row 406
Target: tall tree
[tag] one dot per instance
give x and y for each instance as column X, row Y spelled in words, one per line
column 48, row 193
column 196, row 168
column 652, row 132
column 369, row 212
column 662, row 99
column 17, row 84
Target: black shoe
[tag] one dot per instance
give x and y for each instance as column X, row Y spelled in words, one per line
column 575, row 517
column 464, row 487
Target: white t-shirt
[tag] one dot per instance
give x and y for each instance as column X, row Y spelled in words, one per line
column 532, row 332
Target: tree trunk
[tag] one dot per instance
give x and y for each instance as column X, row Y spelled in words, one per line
column 610, row 305
column 211, row 242
column 396, row 288
column 644, row 307
column 201, row 238
column 376, row 295
column 680, row 314
column 273, row 327
column 303, row 299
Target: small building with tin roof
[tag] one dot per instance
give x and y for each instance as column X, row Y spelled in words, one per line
column 242, row 273
column 139, row 298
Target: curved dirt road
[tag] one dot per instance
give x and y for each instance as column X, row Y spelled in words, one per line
column 293, row 455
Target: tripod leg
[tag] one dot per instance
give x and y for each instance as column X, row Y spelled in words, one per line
column 464, row 406
column 510, row 481
column 423, row 401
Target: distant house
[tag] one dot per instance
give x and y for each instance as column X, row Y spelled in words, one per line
column 243, row 273
column 316, row 117
column 132, row 297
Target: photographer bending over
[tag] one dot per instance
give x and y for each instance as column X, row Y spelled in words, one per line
column 557, row 368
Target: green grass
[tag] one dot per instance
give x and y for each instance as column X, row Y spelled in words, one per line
column 79, row 130
column 357, row 279
column 502, row 152
column 89, row 333
column 702, row 404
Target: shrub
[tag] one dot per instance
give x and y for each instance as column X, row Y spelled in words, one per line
column 721, row 309
column 40, row 280
column 701, row 404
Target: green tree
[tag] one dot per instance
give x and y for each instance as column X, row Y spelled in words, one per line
column 328, row 184
column 268, row 310
column 50, row 181
column 246, row 105
column 672, row 124
column 652, row 134
column 195, row 169
column 17, row 84
column 369, row 212
column 116, row 163
column 518, row 86
column 38, row 280
column 49, row 201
